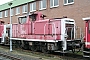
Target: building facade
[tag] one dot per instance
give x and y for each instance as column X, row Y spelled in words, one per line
column 75, row 9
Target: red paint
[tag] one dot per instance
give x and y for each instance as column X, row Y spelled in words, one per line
column 87, row 33
column 1, row 30
column 25, row 30
column 42, row 29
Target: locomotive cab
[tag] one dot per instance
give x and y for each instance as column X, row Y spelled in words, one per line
column 32, row 17
column 37, row 16
column 68, row 36
column 68, row 30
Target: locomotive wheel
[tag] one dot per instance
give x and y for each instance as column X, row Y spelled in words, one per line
column 34, row 47
column 45, row 50
column 24, row 45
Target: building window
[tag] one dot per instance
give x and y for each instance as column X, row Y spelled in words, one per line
column 66, row 2
column 0, row 14
column 54, row 3
column 24, row 9
column 6, row 13
column 11, row 12
column 42, row 4
column 17, row 10
column 33, row 7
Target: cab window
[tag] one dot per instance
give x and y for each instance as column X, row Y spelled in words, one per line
column 22, row 20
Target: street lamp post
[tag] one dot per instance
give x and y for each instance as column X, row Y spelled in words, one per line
column 10, row 4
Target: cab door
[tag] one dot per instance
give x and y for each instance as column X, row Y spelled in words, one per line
column 70, row 31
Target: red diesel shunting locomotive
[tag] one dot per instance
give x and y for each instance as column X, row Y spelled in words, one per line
column 86, row 47
column 2, row 30
column 37, row 33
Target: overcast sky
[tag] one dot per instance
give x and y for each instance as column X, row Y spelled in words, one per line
column 4, row 1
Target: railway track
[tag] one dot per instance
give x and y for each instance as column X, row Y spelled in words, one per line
column 9, row 56
column 66, row 56
column 42, row 56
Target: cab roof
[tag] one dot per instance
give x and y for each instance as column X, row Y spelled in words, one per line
column 87, row 18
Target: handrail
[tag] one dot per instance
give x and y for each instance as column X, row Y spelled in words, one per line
column 71, row 33
column 80, row 34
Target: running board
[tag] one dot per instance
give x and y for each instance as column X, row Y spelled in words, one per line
column 60, row 51
column 86, row 52
column 86, row 56
column 67, row 51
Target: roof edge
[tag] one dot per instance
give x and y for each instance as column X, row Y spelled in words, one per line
column 15, row 3
column 87, row 18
